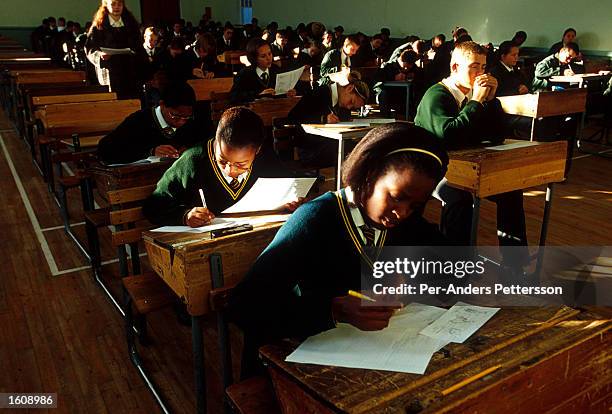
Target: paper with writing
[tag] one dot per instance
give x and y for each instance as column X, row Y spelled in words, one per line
column 459, row 322
column 287, row 80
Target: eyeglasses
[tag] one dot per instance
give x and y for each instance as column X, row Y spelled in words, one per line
column 178, row 117
column 238, row 166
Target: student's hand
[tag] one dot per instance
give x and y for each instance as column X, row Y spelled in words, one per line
column 197, row 73
column 487, row 81
column 198, row 217
column 166, row 151
column 269, row 91
column 400, row 76
column 291, row 93
column 209, row 75
column 105, row 56
column 332, row 118
column 294, row 204
column 367, row 318
column 523, row 89
column 568, row 72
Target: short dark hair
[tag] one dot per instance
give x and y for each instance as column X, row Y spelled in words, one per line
column 353, row 38
column 572, row 46
column 252, row 47
column 408, row 56
column 505, row 47
column 385, row 31
column 569, row 29
column 441, row 37
column 178, row 94
column 240, row 127
column 370, row 159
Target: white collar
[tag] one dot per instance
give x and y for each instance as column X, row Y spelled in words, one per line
column 195, row 51
column 457, row 93
column 115, row 23
column 259, row 71
column 229, row 179
column 507, row 67
column 356, row 215
column 334, row 94
column 161, row 120
column 344, row 58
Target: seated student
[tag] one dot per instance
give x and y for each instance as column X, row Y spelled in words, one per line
column 560, row 63
column 337, row 59
column 569, row 36
column 510, row 81
column 226, row 41
column 164, row 131
column 259, row 78
column 402, row 69
column 328, row 104
column 225, row 168
column 202, row 59
column 439, row 67
column 280, row 46
column 150, row 44
column 327, row 41
column 369, row 51
column 519, row 38
column 461, row 110
column 174, row 62
column 298, row 286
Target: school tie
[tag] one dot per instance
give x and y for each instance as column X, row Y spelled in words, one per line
column 368, row 234
column 264, row 78
column 168, row 132
column 234, row 184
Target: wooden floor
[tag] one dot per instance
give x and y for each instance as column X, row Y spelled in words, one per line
column 60, row 334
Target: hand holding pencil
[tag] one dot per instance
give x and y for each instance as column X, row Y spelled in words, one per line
column 199, row 216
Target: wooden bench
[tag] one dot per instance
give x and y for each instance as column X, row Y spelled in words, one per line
column 204, row 88
column 252, row 396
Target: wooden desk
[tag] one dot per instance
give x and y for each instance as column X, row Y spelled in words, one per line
column 545, row 104
column 551, row 360
column 270, row 108
column 192, row 265
column 204, row 87
column 485, row 172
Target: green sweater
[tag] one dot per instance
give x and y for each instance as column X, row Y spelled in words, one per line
column 177, row 190
column 439, row 113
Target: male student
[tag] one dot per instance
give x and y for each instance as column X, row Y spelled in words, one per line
column 561, row 63
column 462, row 111
column 226, row 41
column 224, row 168
column 164, row 131
column 337, row 59
column 280, row 46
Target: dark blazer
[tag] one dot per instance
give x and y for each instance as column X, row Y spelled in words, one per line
column 222, row 47
column 507, row 82
column 247, row 85
column 136, row 137
column 284, row 53
column 332, row 63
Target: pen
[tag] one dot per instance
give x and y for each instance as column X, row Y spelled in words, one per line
column 360, row 296
column 202, row 198
column 332, row 110
column 469, row 380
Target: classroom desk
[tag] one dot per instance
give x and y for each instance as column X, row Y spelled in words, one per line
column 545, row 104
column 204, row 87
column 547, row 359
column 407, row 85
column 192, row 265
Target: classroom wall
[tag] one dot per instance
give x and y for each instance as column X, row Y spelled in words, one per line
column 222, row 10
column 487, row 20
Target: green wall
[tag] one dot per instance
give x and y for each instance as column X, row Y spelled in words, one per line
column 486, row 20
column 222, row 10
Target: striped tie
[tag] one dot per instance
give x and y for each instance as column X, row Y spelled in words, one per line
column 234, row 184
column 368, row 233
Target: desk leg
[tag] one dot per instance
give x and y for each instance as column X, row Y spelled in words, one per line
column 408, row 89
column 339, row 165
column 475, row 218
column 544, row 229
column 197, row 343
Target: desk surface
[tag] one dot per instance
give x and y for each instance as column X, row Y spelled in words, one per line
column 547, row 356
column 183, row 260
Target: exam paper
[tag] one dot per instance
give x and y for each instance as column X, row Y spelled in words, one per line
column 224, row 222
column 459, row 322
column 513, row 145
column 272, row 194
column 150, row 160
column 287, row 80
column 111, row 51
column 399, row 347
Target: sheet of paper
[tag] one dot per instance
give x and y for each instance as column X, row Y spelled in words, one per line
column 215, row 224
column 398, row 348
column 514, row 145
column 459, row 322
column 377, row 120
column 111, row 51
column 287, row 80
column 150, row 160
column 271, row 194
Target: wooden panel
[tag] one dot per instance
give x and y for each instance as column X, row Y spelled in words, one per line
column 544, row 104
column 123, row 237
column 486, row 172
column 268, row 109
column 129, row 195
column 86, row 97
column 54, row 76
column 128, row 215
column 204, row 87
column 107, row 114
column 84, row 142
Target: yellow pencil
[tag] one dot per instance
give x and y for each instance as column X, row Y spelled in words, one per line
column 469, row 380
column 360, row 296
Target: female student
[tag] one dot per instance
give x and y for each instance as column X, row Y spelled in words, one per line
column 510, row 81
column 225, row 168
column 115, row 27
column 259, row 78
column 569, row 36
column 298, row 285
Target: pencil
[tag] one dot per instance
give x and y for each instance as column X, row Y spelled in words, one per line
column 202, row 198
column 360, row 296
column 469, row 380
